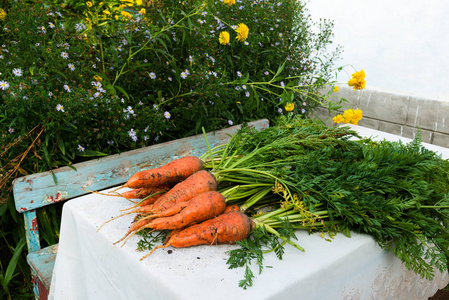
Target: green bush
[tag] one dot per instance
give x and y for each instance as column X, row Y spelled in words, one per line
column 81, row 80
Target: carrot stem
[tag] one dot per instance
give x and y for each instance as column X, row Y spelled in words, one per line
column 273, row 231
column 208, row 147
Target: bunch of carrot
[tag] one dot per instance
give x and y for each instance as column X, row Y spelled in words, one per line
column 190, row 206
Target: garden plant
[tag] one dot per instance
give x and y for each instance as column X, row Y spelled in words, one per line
column 79, row 80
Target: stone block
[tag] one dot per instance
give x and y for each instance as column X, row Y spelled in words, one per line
column 410, row 132
column 389, row 107
column 369, row 123
column 323, row 115
column 392, row 128
column 443, row 117
column 441, row 139
column 425, row 113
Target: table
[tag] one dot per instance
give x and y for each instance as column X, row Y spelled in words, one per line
column 89, row 266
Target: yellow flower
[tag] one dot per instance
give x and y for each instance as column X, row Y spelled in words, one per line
column 224, row 38
column 242, row 32
column 290, row 106
column 126, row 14
column 229, row 2
column 89, row 4
column 337, row 119
column 98, row 78
column 358, row 80
column 2, row 14
column 138, row 2
column 352, row 116
column 127, row 2
column 335, row 89
column 142, row 11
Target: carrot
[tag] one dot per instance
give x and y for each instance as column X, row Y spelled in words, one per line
column 153, row 196
column 231, row 208
column 199, row 182
column 141, row 193
column 169, row 174
column 198, row 209
column 224, row 229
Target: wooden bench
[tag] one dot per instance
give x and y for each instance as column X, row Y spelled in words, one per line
column 38, row 190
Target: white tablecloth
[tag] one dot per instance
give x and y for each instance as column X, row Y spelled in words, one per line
column 89, row 266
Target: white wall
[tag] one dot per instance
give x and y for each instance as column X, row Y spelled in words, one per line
column 402, row 45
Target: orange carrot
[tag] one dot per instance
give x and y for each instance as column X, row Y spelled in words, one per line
column 153, row 196
column 231, row 208
column 141, row 193
column 199, row 182
column 224, row 229
column 200, row 208
column 169, row 174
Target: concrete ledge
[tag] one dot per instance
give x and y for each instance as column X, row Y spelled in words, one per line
column 394, row 113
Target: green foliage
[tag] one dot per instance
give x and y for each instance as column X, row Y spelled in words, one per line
column 324, row 181
column 79, row 81
column 254, row 248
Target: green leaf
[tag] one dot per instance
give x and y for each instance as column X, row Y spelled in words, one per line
column 280, row 69
column 61, row 145
column 121, row 90
column 90, row 153
column 47, row 157
column 9, row 274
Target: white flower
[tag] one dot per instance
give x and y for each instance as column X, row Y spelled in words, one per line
column 183, row 75
column 80, row 27
column 152, row 75
column 129, row 110
column 280, row 110
column 11, row 130
column 17, row 72
column 167, row 115
column 50, row 94
column 71, row 67
column 230, row 122
column 67, row 88
column 80, row 148
column 133, row 135
column 51, row 25
column 239, row 74
column 59, row 107
column 4, row 85
column 64, row 55
column 247, row 94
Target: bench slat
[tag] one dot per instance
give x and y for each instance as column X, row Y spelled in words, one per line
column 31, row 231
column 42, row 262
column 37, row 190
